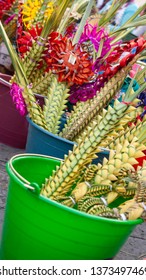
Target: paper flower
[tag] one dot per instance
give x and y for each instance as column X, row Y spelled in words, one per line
column 83, row 92
column 96, row 37
column 17, row 97
column 24, row 42
column 119, row 58
column 31, row 8
column 69, row 62
column 5, row 6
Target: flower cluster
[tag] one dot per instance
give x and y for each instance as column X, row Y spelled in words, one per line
column 119, row 57
column 68, row 61
column 24, row 42
column 17, row 97
column 31, row 9
column 5, row 6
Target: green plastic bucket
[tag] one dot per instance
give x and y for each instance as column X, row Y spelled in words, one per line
column 37, row 228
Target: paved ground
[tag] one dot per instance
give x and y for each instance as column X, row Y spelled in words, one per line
column 134, row 248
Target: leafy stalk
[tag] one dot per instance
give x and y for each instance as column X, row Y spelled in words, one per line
column 35, row 53
column 106, row 18
column 55, row 104
column 83, row 21
column 91, row 108
column 70, row 169
column 33, row 108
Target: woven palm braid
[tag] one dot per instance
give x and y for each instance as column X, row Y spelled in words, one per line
column 89, row 109
column 66, row 175
column 55, row 104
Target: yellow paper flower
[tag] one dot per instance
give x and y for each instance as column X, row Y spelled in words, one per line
column 35, row 9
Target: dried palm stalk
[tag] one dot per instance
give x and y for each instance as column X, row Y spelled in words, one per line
column 41, row 83
column 55, row 104
column 85, row 112
column 66, row 175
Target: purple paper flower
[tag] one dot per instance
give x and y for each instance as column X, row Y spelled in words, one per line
column 17, row 97
column 89, row 90
column 84, row 92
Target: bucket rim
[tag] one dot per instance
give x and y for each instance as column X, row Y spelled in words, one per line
column 105, row 150
column 48, row 133
column 27, row 185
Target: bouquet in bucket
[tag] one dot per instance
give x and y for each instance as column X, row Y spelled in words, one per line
column 67, row 58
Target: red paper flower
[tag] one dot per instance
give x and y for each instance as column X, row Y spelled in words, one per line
column 5, row 6
column 25, row 41
column 68, row 61
column 119, row 58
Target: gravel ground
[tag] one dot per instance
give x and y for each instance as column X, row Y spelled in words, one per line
column 134, row 248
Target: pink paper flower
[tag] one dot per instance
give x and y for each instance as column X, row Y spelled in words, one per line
column 17, row 97
column 93, row 35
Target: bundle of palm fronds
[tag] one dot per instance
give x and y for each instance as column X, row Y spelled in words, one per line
column 63, row 56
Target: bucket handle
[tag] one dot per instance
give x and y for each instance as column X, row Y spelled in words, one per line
column 31, row 186
column 4, row 82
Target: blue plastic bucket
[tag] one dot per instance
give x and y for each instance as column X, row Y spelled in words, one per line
column 40, row 141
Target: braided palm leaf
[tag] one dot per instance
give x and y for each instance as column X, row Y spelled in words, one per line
column 33, row 108
column 122, row 122
column 91, row 107
column 82, row 192
column 41, row 83
column 118, row 129
column 128, row 133
column 89, row 203
column 55, row 104
column 34, row 55
column 123, row 157
column 65, row 176
column 94, row 185
column 122, row 130
column 136, row 207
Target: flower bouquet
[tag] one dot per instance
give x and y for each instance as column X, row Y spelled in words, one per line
column 112, row 192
